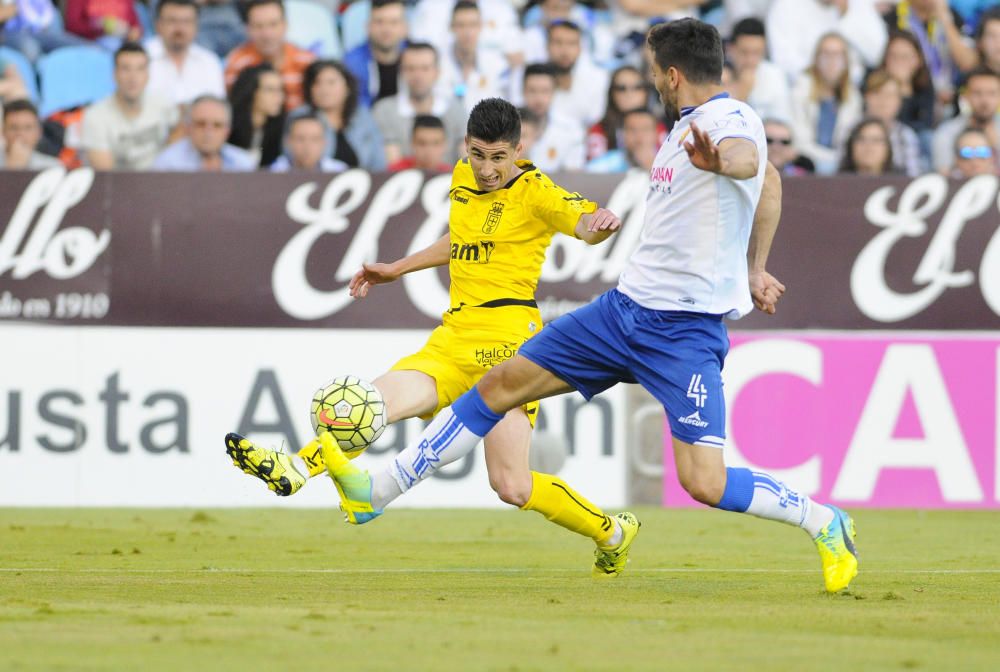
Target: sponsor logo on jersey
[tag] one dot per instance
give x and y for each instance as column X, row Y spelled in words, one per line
column 477, row 253
column 493, row 218
column 489, row 357
column 661, row 175
column 694, row 419
column 461, row 199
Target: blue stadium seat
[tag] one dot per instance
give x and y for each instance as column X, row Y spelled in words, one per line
column 313, row 27
column 145, row 17
column 74, row 76
column 354, row 24
column 24, row 69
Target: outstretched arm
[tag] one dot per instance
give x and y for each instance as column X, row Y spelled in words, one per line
column 437, row 253
column 597, row 226
column 733, row 157
column 764, row 287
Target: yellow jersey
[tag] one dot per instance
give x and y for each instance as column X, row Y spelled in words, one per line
column 499, row 238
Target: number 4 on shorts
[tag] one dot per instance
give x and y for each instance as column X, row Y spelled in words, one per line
column 697, row 391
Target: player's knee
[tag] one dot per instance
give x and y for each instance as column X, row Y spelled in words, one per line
column 511, row 491
column 703, row 486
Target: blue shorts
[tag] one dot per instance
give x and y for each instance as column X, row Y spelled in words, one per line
column 676, row 356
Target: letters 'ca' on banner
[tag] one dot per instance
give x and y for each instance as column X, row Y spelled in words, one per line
column 909, row 420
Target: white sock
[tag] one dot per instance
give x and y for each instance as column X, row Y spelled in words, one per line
column 444, row 441
column 300, row 464
column 773, row 500
column 616, row 536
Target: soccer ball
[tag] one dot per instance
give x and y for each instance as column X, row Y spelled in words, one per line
column 350, row 409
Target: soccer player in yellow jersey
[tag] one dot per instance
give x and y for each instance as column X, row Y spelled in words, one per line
column 504, row 212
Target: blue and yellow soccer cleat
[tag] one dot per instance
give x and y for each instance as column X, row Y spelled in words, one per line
column 837, row 552
column 354, row 485
column 610, row 562
column 271, row 466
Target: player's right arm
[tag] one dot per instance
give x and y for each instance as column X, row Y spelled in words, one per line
column 437, row 253
column 764, row 287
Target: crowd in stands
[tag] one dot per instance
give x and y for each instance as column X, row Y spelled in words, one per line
column 867, row 87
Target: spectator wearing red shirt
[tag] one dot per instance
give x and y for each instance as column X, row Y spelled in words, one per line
column 266, row 29
column 428, row 146
column 109, row 21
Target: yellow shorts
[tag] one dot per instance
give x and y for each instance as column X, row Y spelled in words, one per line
column 465, row 347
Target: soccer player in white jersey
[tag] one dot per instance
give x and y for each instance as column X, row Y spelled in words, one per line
column 701, row 259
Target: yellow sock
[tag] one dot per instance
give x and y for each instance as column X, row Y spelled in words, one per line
column 313, row 458
column 564, row 506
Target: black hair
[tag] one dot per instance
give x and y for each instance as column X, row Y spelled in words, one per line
column 563, row 23
column 304, row 116
column 749, row 26
column 639, row 110
column 379, row 4
column 312, row 73
column 689, row 45
column 130, row 48
column 545, row 69
column 611, row 122
column 980, row 71
column 463, row 5
column 427, row 121
column 252, row 4
column 421, row 46
column 21, row 105
column 493, row 120
column 991, row 14
column 177, row 3
column 241, row 98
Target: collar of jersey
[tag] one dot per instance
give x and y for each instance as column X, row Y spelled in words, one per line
column 688, row 110
column 525, row 165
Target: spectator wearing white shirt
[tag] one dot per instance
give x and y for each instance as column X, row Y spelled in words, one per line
column 756, row 80
column 208, row 122
column 578, row 79
column 126, row 130
column 797, row 26
column 559, row 145
column 982, row 95
column 179, row 69
column 470, row 71
column 419, row 94
column 501, row 29
column 825, row 104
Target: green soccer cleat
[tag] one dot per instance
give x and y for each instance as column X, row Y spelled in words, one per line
column 354, row 485
column 610, row 562
column 271, row 466
column 835, row 543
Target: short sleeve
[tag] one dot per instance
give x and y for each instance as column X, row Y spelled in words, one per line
column 94, row 133
column 734, row 121
column 557, row 207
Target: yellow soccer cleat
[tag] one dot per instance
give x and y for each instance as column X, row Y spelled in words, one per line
column 610, row 562
column 271, row 466
column 835, row 543
column 354, row 485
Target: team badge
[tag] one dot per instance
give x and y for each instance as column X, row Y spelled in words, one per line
column 493, row 218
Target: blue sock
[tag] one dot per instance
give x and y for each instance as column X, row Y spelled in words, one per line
column 473, row 412
column 739, row 490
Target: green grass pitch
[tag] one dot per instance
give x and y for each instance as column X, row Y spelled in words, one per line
column 486, row 590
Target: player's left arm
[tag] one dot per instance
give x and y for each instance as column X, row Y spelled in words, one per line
column 597, row 226
column 764, row 287
column 734, row 157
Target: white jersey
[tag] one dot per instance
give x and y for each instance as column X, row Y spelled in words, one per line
column 692, row 255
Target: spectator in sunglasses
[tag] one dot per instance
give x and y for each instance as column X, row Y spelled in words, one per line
column 627, row 91
column 973, row 155
column 781, row 150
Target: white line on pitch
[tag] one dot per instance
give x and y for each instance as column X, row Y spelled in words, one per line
column 466, row 570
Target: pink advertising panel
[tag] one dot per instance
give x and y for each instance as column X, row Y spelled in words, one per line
column 907, row 419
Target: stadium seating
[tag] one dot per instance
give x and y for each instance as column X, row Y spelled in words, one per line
column 312, row 26
column 24, row 68
column 74, row 76
column 354, row 24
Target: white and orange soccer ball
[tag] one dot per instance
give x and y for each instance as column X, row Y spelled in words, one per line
column 352, row 410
